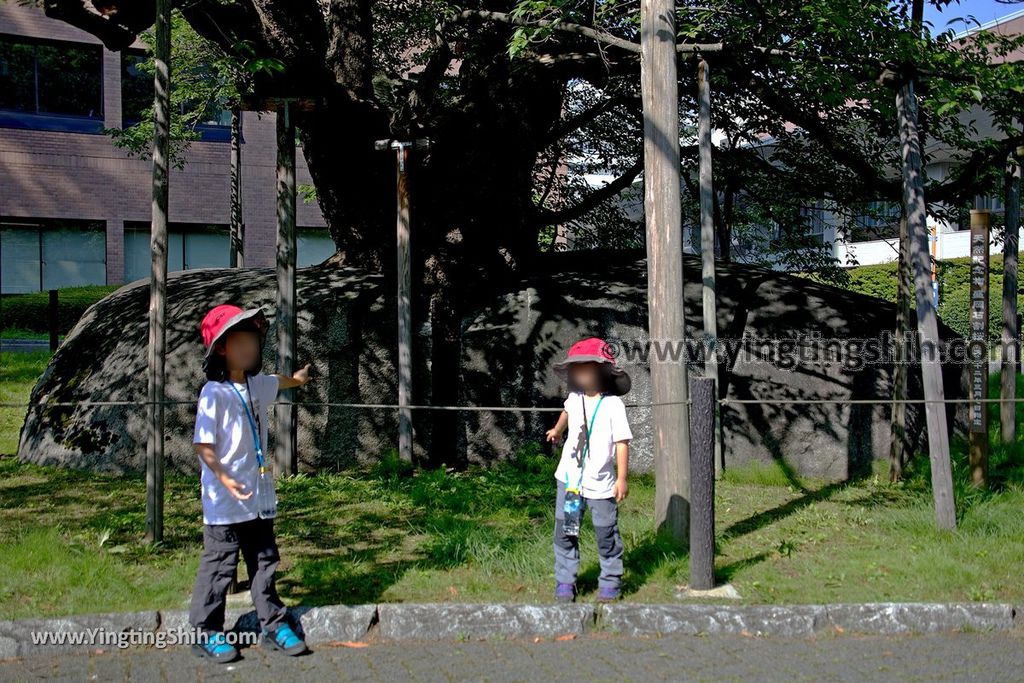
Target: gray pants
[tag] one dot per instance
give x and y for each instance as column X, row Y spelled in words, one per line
column 217, row 565
column 605, row 516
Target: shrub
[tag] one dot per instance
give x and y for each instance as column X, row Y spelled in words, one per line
column 31, row 311
column 954, row 278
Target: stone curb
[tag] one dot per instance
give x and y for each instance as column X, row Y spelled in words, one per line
column 806, row 620
column 454, row 621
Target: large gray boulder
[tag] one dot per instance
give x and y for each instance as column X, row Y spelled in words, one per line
column 347, row 330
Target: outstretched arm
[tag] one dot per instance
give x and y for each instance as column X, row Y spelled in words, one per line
column 555, row 433
column 297, row 380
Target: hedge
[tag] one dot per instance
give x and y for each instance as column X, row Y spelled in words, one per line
column 30, row 312
column 954, row 277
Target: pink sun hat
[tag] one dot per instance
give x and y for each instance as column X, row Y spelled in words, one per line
column 595, row 350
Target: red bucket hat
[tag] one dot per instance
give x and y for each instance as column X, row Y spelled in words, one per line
column 220, row 319
column 595, row 350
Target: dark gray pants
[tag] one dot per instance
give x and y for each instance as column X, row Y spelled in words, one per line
column 217, row 565
column 604, row 513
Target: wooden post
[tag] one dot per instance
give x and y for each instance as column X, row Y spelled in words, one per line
column 1011, row 333
column 404, row 309
column 285, row 454
column 979, row 348
column 709, row 288
column 53, row 320
column 237, row 239
column 702, row 483
column 898, row 446
column 158, row 276
column 927, row 324
column 667, row 325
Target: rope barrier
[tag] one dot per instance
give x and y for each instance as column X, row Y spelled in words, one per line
column 526, row 409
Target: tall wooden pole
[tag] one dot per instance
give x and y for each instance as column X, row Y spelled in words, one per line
column 237, row 239
column 158, row 276
column 709, row 289
column 667, row 325
column 978, row 442
column 404, row 307
column 898, row 446
column 286, row 318
column 1011, row 335
column 927, row 323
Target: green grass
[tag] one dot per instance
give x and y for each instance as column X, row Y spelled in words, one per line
column 18, row 374
column 71, row 540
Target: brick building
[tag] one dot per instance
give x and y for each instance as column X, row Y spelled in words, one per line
column 75, row 209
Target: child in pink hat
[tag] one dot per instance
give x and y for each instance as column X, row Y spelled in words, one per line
column 239, row 502
column 593, row 467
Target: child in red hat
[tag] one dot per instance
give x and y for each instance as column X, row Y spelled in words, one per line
column 239, row 503
column 594, row 465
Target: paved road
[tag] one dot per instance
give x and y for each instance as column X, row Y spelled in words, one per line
column 24, row 344
column 947, row 657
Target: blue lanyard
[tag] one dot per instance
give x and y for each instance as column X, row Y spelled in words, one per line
column 252, row 423
column 586, row 448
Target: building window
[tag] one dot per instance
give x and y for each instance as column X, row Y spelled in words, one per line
column 50, row 85
column 136, row 88
column 313, row 246
column 875, row 221
column 50, row 254
column 189, row 246
column 212, row 119
column 813, row 218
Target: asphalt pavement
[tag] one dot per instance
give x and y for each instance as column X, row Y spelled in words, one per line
column 989, row 657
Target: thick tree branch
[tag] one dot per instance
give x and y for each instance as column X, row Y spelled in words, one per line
column 117, row 26
column 592, row 200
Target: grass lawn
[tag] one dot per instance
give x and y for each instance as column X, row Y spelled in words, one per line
column 71, row 539
column 18, row 374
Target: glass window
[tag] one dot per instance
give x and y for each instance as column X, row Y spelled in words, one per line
column 39, row 77
column 74, row 256
column 17, row 76
column 19, row 259
column 52, row 254
column 136, row 88
column 875, row 221
column 313, row 246
column 206, row 246
column 189, row 246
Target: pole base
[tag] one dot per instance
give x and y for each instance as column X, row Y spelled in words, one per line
column 726, row 591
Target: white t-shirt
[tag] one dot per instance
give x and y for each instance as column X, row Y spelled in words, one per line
column 610, row 426
column 221, row 421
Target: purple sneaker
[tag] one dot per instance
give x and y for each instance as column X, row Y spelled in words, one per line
column 608, row 594
column 565, row 592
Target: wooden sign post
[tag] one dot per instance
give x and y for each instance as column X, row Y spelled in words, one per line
column 979, row 348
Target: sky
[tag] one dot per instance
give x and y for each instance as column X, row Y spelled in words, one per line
column 982, row 10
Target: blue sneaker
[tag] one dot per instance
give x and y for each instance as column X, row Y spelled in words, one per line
column 216, row 647
column 565, row 592
column 284, row 639
column 608, row 594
